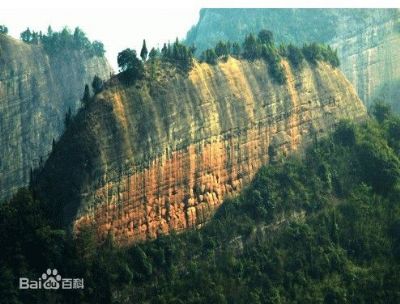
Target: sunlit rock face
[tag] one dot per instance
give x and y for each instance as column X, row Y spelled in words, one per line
column 367, row 40
column 35, row 93
column 161, row 156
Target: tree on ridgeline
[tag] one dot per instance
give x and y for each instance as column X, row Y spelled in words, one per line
column 86, row 95
column 54, row 42
column 209, row 56
column 143, row 52
column 178, row 54
column 222, row 49
column 3, row 29
column 131, row 67
column 236, row 51
column 68, row 117
column 26, row 35
column 266, row 37
column 154, row 53
column 97, row 84
column 80, row 39
column 315, row 52
column 49, row 31
column 164, row 51
column 251, row 50
column 295, row 55
column 98, row 48
column 192, row 49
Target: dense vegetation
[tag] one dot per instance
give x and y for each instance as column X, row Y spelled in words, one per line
column 263, row 47
column 132, row 68
column 54, row 42
column 321, row 228
column 253, row 47
column 3, row 29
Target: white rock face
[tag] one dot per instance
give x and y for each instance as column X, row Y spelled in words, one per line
column 369, row 51
column 36, row 91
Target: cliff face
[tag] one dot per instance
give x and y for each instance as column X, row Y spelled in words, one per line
column 36, row 91
column 157, row 157
column 367, row 40
column 369, row 54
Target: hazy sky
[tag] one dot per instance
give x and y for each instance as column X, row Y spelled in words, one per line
column 125, row 23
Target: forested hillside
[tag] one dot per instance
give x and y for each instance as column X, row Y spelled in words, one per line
column 323, row 227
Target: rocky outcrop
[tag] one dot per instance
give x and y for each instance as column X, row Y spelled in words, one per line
column 161, row 156
column 36, row 91
column 367, row 40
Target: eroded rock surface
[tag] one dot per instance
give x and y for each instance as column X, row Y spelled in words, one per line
column 157, row 157
column 36, row 91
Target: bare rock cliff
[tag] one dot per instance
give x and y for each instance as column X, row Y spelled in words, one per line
column 153, row 158
column 36, row 91
column 369, row 52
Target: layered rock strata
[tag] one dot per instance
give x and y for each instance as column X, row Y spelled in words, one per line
column 161, row 156
column 36, row 91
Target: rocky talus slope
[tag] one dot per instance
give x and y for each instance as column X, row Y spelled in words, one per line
column 161, row 156
column 36, row 91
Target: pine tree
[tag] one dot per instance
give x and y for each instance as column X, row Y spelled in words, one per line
column 154, row 54
column 265, row 37
column 250, row 48
column 3, row 29
column 164, row 51
column 236, row 49
column 144, row 52
column 49, row 31
column 97, row 84
column 131, row 67
column 26, row 35
column 68, row 117
column 86, row 96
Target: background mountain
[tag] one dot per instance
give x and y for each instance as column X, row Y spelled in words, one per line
column 37, row 88
column 367, row 40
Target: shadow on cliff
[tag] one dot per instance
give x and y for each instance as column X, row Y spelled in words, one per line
column 75, row 161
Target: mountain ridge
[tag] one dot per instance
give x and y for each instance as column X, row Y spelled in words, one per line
column 147, row 159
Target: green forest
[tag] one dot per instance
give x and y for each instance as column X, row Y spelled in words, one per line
column 320, row 227
column 54, row 42
column 254, row 47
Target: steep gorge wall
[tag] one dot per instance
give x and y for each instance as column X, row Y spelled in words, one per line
column 369, row 51
column 153, row 158
column 367, row 40
column 36, row 91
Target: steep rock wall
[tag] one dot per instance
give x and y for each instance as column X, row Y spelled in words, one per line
column 149, row 159
column 36, row 91
column 369, row 51
column 367, row 40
